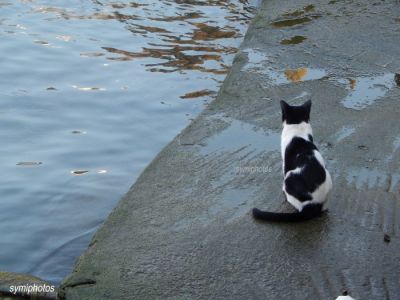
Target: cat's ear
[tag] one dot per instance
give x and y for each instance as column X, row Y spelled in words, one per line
column 307, row 106
column 307, row 110
column 284, row 107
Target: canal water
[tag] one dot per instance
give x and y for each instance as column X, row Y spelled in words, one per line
column 90, row 92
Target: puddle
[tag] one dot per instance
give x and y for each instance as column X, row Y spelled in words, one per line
column 296, row 75
column 297, row 39
column 344, row 132
column 242, row 135
column 364, row 177
column 256, row 64
column 255, row 59
column 364, row 91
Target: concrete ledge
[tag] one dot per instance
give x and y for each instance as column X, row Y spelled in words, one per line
column 184, row 230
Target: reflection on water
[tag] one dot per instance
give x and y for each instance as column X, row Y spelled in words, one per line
column 197, row 94
column 90, row 92
column 186, row 39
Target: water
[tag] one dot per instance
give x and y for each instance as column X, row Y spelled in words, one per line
column 90, row 91
column 365, row 91
column 258, row 62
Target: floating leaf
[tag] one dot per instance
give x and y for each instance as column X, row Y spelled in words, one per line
column 91, row 54
column 78, row 132
column 29, row 163
column 41, row 42
column 79, row 172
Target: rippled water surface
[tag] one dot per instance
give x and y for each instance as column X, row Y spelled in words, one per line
column 90, row 91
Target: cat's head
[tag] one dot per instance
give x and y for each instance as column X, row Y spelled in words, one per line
column 296, row 114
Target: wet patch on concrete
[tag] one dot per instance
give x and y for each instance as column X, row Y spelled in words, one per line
column 300, row 12
column 291, row 22
column 255, row 59
column 365, row 178
column 296, row 17
column 396, row 144
column 365, row 91
column 396, row 148
column 394, row 183
column 344, row 132
column 240, row 135
column 297, row 39
column 231, row 204
column 234, row 203
column 302, row 97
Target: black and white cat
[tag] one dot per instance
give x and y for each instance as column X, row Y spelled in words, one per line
column 307, row 182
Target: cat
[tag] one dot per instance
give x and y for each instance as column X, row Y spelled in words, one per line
column 307, row 183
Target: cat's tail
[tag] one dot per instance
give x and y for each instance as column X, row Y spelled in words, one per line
column 308, row 212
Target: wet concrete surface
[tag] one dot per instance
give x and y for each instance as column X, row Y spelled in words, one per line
column 184, row 230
